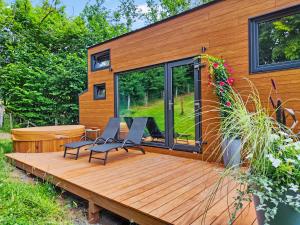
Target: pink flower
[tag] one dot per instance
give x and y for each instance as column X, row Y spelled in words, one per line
column 221, row 90
column 216, row 65
column 230, row 81
column 230, row 70
column 222, row 83
column 228, row 104
column 225, row 65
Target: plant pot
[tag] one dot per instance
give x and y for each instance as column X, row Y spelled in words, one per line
column 286, row 215
column 231, row 152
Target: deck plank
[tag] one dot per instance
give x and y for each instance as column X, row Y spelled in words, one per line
column 149, row 189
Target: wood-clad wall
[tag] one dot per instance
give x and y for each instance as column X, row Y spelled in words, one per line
column 221, row 27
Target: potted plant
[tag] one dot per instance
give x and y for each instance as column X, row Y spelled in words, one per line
column 272, row 175
column 273, row 180
column 220, row 77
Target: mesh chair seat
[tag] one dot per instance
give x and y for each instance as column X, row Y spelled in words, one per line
column 79, row 144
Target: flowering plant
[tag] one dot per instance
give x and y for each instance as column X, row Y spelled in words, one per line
column 273, row 155
column 273, row 179
column 220, row 77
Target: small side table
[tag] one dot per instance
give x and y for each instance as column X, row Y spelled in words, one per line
column 93, row 130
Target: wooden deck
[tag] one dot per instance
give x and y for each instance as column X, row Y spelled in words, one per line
column 147, row 189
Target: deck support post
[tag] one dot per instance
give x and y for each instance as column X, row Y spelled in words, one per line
column 93, row 213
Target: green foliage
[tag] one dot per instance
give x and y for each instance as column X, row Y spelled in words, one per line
column 166, row 8
column 279, row 40
column 43, row 61
column 26, row 203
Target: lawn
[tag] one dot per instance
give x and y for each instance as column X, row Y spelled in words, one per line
column 184, row 123
column 27, row 202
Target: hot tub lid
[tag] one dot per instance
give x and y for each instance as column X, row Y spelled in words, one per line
column 47, row 133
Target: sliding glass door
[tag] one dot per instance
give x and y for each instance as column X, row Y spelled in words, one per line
column 169, row 95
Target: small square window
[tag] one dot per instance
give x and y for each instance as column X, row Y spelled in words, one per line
column 275, row 40
column 100, row 61
column 99, row 91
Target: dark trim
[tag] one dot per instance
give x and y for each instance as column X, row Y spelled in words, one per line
column 254, row 66
column 104, row 52
column 159, row 22
column 83, row 92
column 116, row 95
column 197, row 96
column 95, row 95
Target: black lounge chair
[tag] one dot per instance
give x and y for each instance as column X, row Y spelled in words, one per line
column 133, row 140
column 109, row 134
column 154, row 130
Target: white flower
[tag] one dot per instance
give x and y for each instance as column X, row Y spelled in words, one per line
column 283, row 133
column 289, row 140
column 298, row 157
column 274, row 137
column 275, row 162
column 294, row 187
column 282, row 147
column 297, row 145
column 291, row 161
column 249, row 156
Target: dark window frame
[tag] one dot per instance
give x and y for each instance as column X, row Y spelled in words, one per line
column 102, row 53
column 197, row 79
column 254, row 66
column 95, row 91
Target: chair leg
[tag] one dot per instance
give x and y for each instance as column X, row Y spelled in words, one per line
column 143, row 151
column 77, row 154
column 105, row 159
column 65, row 153
column 126, row 149
column 117, row 149
column 91, row 153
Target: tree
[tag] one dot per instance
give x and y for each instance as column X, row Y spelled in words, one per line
column 128, row 12
column 166, row 8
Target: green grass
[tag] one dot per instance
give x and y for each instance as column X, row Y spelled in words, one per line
column 27, row 203
column 6, row 126
column 184, row 123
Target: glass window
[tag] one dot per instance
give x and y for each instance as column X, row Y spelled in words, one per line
column 141, row 94
column 275, row 41
column 100, row 60
column 99, row 91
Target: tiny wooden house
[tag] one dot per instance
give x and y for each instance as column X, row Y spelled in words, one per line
column 152, row 72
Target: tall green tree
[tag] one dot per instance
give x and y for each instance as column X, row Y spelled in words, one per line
column 43, row 61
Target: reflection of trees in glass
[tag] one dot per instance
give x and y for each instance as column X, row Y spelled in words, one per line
column 138, row 88
column 183, row 83
column 279, row 40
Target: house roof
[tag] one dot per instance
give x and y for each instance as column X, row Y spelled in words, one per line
column 159, row 22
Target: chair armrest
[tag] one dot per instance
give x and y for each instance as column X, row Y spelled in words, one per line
column 110, row 139
column 126, row 141
column 84, row 138
column 98, row 139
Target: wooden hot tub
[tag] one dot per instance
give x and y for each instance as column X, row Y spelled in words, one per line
column 45, row 139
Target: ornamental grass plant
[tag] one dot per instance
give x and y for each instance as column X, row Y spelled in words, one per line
column 270, row 151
